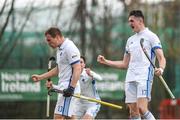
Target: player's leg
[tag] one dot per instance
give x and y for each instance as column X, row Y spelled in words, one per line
column 144, row 96
column 133, row 111
column 64, row 107
column 80, row 109
column 92, row 110
column 58, row 117
column 131, row 99
column 143, row 109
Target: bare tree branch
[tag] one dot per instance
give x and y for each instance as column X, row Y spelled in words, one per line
column 15, row 40
column 59, row 11
column 7, row 20
column 3, row 7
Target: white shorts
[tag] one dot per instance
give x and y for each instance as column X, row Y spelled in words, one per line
column 86, row 107
column 66, row 106
column 137, row 89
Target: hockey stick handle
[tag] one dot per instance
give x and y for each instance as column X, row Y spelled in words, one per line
column 89, row 99
column 160, row 77
column 51, row 59
column 166, row 86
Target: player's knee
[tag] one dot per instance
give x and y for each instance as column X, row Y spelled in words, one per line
column 142, row 109
column 134, row 112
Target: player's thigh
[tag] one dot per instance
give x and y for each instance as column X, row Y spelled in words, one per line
column 144, row 89
column 131, row 92
column 65, row 106
column 80, row 109
column 93, row 109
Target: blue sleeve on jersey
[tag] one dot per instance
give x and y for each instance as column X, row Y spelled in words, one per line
column 156, row 47
column 78, row 61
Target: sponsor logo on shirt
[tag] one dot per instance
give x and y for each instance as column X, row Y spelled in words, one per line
column 74, row 56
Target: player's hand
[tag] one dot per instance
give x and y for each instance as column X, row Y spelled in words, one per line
column 68, row 92
column 35, row 78
column 101, row 59
column 49, row 84
column 88, row 71
column 159, row 71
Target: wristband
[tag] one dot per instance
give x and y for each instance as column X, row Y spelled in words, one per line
column 161, row 70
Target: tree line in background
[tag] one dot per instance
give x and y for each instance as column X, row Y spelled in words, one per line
column 105, row 33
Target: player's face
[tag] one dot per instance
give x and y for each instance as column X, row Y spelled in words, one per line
column 51, row 41
column 82, row 64
column 134, row 23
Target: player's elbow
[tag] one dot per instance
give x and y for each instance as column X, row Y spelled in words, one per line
column 125, row 66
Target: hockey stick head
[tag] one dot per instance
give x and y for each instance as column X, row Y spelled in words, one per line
column 50, row 91
column 141, row 43
column 52, row 58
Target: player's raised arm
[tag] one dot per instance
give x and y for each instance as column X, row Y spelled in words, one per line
column 53, row 72
column 122, row 64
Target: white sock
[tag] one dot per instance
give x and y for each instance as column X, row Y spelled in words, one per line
column 148, row 115
column 135, row 118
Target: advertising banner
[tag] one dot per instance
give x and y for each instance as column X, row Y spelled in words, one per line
column 17, row 85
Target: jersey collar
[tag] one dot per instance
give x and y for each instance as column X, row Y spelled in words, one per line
column 142, row 31
column 63, row 44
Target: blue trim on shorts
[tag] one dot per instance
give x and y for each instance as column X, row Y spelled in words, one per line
column 67, row 102
column 77, row 61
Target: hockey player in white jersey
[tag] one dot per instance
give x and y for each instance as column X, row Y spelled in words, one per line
column 68, row 70
column 87, row 109
column 139, row 77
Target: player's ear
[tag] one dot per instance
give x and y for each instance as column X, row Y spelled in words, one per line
column 141, row 20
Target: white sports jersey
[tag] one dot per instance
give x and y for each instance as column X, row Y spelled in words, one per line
column 88, row 89
column 139, row 67
column 87, row 85
column 67, row 55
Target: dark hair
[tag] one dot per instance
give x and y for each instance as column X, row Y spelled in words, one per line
column 83, row 58
column 136, row 13
column 53, row 31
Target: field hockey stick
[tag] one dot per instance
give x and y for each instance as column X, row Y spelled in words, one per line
column 160, row 77
column 87, row 98
column 51, row 59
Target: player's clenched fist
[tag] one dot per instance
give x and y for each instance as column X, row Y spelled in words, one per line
column 35, row 78
column 101, row 59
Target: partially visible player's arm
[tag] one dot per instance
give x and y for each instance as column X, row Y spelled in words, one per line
column 123, row 64
column 161, row 60
column 95, row 75
column 76, row 74
column 46, row 75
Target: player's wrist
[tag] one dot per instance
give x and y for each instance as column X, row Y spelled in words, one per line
column 161, row 70
column 71, row 88
column 162, row 67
